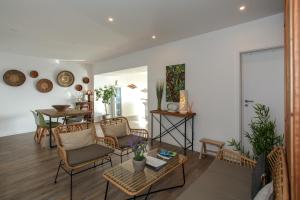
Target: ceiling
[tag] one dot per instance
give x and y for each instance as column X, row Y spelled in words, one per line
column 132, row 70
column 79, row 29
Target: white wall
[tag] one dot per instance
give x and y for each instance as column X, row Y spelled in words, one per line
column 131, row 98
column 16, row 102
column 212, row 71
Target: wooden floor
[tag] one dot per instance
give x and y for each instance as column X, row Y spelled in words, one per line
column 27, row 173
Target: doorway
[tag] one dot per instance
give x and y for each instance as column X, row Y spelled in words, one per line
column 131, row 99
column 262, row 79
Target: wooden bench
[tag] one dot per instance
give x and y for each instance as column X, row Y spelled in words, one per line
column 215, row 143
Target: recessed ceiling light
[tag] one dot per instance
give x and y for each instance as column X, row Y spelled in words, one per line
column 153, row 37
column 57, row 61
column 110, row 19
column 242, row 8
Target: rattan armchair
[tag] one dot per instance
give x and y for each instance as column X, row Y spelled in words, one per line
column 235, row 158
column 123, row 137
column 279, row 172
column 89, row 156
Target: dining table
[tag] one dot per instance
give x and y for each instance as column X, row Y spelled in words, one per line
column 53, row 113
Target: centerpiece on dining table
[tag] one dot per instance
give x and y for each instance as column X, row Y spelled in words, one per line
column 60, row 108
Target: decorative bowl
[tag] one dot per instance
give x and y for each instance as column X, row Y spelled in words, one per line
column 60, row 108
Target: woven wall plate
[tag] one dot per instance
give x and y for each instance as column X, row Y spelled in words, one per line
column 44, row 85
column 34, row 74
column 14, row 78
column 65, row 78
column 85, row 80
column 78, row 87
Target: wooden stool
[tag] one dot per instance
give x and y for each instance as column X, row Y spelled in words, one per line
column 215, row 143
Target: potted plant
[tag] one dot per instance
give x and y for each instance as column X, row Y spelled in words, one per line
column 263, row 136
column 159, row 93
column 139, row 160
column 107, row 93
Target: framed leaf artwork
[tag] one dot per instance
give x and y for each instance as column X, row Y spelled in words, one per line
column 175, row 75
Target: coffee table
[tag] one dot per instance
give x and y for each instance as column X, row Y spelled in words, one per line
column 134, row 183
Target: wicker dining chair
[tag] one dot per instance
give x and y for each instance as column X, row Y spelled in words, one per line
column 42, row 126
column 80, row 149
column 124, row 137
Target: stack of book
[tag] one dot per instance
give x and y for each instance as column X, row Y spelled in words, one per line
column 166, row 154
column 158, row 162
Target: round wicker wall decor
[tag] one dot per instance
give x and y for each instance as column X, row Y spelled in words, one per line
column 65, row 78
column 14, row 78
column 44, row 85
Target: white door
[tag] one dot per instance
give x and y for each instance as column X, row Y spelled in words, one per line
column 262, row 82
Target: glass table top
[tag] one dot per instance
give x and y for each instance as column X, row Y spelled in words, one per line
column 125, row 178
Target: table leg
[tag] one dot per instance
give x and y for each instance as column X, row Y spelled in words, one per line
column 185, row 136
column 148, row 193
column 151, row 129
column 106, row 191
column 193, row 134
column 164, row 189
column 50, row 132
column 160, row 128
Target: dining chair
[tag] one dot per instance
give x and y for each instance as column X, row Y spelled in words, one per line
column 42, row 126
column 38, row 127
column 72, row 120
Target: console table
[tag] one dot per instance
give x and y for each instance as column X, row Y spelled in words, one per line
column 158, row 115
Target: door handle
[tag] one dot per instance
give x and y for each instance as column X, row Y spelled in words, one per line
column 249, row 101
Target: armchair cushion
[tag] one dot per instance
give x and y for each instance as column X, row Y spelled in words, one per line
column 129, row 140
column 87, row 153
column 117, row 129
column 78, row 139
column 221, row 181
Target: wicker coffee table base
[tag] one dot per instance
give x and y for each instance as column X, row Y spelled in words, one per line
column 146, row 195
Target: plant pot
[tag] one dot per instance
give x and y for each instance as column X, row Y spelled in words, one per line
column 139, row 165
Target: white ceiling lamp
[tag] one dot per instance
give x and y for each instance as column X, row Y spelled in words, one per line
column 242, row 8
column 57, row 61
column 72, row 60
column 110, row 19
column 153, row 37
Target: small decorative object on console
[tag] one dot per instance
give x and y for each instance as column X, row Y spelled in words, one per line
column 159, row 93
column 183, row 103
column 172, row 107
column 190, row 108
